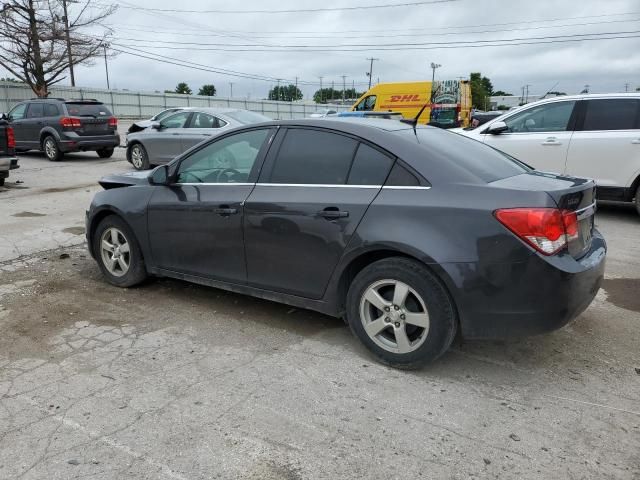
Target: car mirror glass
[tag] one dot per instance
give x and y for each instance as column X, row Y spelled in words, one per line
column 156, row 125
column 160, row 175
column 497, row 127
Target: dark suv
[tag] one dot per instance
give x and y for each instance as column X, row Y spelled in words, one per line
column 57, row 126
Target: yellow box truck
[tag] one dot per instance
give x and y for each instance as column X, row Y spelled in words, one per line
column 448, row 101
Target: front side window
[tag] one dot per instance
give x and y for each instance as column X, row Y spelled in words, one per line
column 228, row 160
column 204, row 120
column 313, row 157
column 179, row 120
column 612, row 114
column 36, row 110
column 367, row 104
column 164, row 114
column 18, row 112
column 550, row 117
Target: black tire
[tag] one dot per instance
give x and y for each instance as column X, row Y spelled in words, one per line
column 1, row 182
column 51, row 149
column 105, row 152
column 138, row 157
column 136, row 272
column 638, row 199
column 442, row 317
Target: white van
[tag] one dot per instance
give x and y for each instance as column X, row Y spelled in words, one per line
column 594, row 136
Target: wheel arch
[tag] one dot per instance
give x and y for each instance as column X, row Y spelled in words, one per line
column 48, row 131
column 95, row 221
column 130, row 146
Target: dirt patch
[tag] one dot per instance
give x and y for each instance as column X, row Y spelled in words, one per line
column 28, row 214
column 623, row 292
column 66, row 189
column 74, row 230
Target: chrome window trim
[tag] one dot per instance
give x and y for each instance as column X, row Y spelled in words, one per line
column 212, row 183
column 406, row 187
column 305, row 185
column 321, row 185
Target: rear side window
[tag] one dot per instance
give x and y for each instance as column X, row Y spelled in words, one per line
column 51, row 110
column 370, row 166
column 313, row 157
column 203, row 120
column 401, row 177
column 83, row 109
column 612, row 114
column 36, row 110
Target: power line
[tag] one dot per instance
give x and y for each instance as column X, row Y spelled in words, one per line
column 301, row 10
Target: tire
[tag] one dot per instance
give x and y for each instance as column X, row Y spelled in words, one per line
column 116, row 233
column 426, row 339
column 138, row 157
column 638, row 199
column 51, row 149
column 1, row 182
column 105, row 152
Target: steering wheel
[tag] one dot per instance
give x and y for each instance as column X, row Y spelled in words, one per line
column 186, row 174
column 229, row 173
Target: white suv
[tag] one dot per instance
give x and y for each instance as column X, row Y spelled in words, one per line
column 594, row 136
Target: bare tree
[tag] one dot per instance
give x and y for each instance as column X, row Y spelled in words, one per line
column 37, row 47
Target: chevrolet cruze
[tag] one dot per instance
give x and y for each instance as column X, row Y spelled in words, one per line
column 411, row 234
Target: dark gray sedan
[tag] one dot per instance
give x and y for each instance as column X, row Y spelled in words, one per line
column 410, row 234
column 162, row 141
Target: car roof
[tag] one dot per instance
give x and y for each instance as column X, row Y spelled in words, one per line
column 353, row 125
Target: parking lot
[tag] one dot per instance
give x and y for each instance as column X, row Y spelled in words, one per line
column 177, row 381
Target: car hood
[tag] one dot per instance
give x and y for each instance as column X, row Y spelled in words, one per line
column 138, row 126
column 127, row 179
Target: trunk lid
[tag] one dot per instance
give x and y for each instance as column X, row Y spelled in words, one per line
column 570, row 194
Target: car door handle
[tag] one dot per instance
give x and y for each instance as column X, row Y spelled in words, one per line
column 636, row 141
column 551, row 141
column 225, row 210
column 332, row 212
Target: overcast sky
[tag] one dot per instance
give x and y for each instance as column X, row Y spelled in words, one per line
column 606, row 65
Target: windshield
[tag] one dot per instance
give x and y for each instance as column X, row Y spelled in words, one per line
column 165, row 114
column 246, row 117
column 84, row 109
column 477, row 160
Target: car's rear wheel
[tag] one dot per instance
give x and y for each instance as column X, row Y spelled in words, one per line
column 1, row 182
column 105, row 152
column 139, row 157
column 118, row 253
column 401, row 312
column 638, row 199
column 51, row 149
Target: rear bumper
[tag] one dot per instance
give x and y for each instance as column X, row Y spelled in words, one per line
column 499, row 301
column 89, row 142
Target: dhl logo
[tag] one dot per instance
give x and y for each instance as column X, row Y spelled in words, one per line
column 404, row 98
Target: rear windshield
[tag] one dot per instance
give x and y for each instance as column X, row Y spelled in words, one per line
column 246, row 117
column 475, row 159
column 84, row 109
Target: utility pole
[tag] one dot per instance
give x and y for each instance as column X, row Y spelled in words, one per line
column 526, row 99
column 371, row 68
column 321, row 93
column 278, row 89
column 106, row 66
column 295, row 92
column 66, row 32
column 433, row 68
column 344, row 79
column 332, row 88
column 522, row 97
column 626, row 87
column 231, row 88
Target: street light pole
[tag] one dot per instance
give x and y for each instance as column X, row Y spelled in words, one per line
column 371, row 69
column 106, row 65
column 433, row 68
column 231, row 89
column 66, row 32
column 344, row 79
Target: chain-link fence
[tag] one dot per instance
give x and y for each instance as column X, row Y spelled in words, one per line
column 135, row 105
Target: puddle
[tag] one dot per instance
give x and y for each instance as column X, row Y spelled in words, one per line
column 623, row 292
column 74, row 230
column 28, row 214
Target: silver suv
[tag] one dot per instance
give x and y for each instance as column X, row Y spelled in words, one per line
column 57, row 126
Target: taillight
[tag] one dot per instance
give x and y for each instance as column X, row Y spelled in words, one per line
column 113, row 122
column 547, row 230
column 11, row 138
column 70, row 122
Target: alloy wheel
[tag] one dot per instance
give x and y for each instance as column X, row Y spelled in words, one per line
column 50, row 148
column 115, row 252
column 394, row 316
column 136, row 156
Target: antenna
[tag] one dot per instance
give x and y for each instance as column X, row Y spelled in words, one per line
column 414, row 121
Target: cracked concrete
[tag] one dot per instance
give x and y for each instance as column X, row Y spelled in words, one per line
column 178, row 381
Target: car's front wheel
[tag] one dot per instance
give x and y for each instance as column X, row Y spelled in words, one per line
column 401, row 312
column 638, row 199
column 118, row 253
column 51, row 149
column 105, row 152
column 139, row 157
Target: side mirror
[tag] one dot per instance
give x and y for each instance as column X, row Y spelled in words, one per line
column 4, row 116
column 160, row 175
column 496, row 128
column 156, row 125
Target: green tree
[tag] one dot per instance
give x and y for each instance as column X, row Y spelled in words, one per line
column 481, row 90
column 285, row 93
column 637, row 89
column 500, row 93
column 327, row 94
column 182, row 87
column 10, row 80
column 207, row 90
